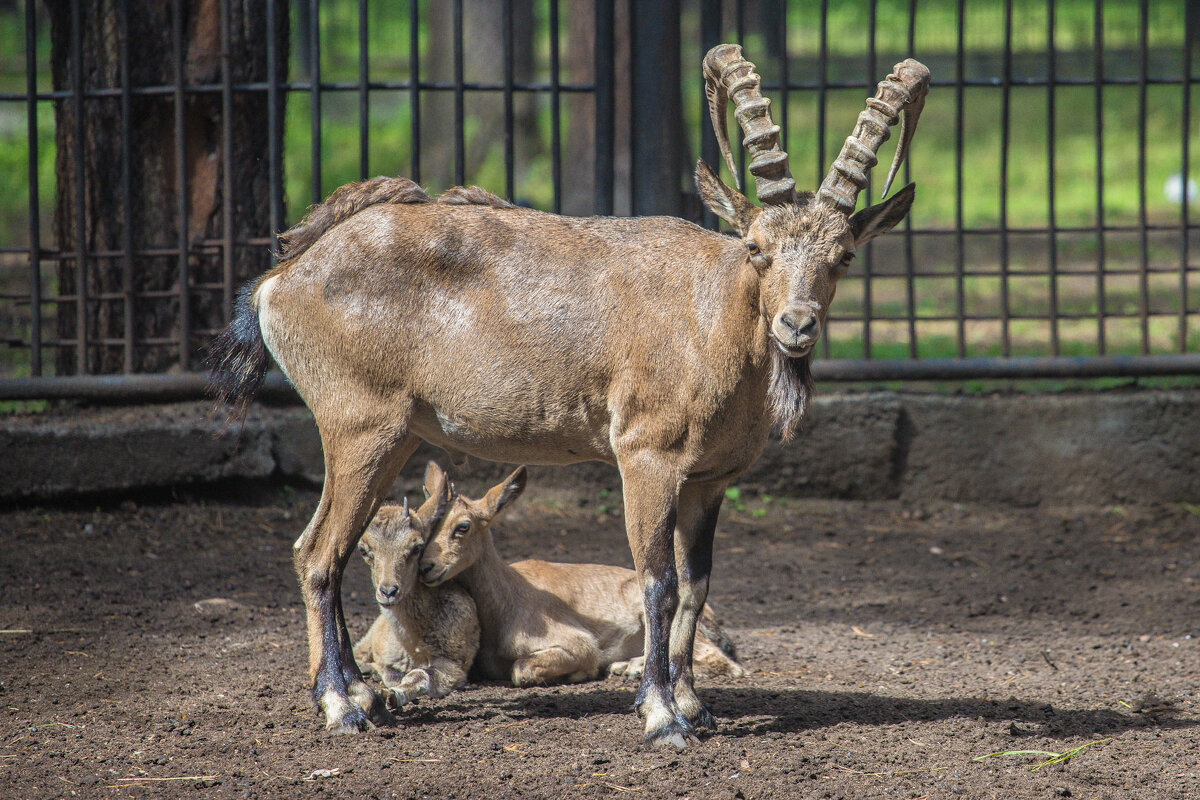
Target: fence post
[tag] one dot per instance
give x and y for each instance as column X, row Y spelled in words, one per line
column 604, row 50
column 656, row 137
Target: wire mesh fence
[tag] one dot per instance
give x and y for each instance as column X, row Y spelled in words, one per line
column 153, row 150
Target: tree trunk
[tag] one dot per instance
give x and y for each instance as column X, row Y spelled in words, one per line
column 151, row 215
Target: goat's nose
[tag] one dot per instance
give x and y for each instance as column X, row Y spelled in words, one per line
column 426, row 569
column 799, row 323
column 388, row 592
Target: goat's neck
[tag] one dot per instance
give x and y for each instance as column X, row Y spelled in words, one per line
column 491, row 583
column 741, row 331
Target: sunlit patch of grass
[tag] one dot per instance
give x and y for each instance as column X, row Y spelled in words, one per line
column 1054, row 758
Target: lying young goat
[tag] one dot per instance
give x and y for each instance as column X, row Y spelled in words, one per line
column 543, row 622
column 425, row 638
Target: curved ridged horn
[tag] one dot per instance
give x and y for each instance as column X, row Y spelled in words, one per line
column 900, row 95
column 728, row 76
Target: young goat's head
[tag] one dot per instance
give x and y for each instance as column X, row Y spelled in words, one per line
column 459, row 537
column 392, row 546
column 800, row 244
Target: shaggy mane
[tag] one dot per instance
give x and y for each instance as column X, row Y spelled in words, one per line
column 472, row 196
column 343, row 203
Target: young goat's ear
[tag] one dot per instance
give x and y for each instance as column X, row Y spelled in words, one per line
column 878, row 219
column 728, row 204
column 436, row 482
column 500, row 495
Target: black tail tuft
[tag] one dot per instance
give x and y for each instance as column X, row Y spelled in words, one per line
column 237, row 360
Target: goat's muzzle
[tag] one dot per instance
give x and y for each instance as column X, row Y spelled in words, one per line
column 432, row 574
column 387, row 594
column 795, row 330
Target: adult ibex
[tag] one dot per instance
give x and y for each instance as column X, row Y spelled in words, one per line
column 519, row 336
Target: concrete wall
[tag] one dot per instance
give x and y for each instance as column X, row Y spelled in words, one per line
column 1114, row 447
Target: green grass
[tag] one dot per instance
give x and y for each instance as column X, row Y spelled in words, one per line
column 1054, row 758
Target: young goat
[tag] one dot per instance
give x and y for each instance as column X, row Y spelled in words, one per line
column 543, row 622
column 425, row 638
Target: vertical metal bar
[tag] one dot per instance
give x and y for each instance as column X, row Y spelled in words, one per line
column 1185, row 173
column 1005, row 107
column 555, row 112
column 822, row 97
column 740, row 28
column 181, row 198
column 656, row 135
column 364, row 94
column 314, row 46
column 1098, row 75
column 868, row 260
column 460, row 148
column 127, row 264
column 81, row 365
column 1144, row 276
column 227, row 276
column 710, row 37
column 509, row 151
column 910, row 299
column 35, row 217
column 784, row 77
column 605, row 98
column 1051, row 78
column 959, row 240
column 274, row 168
column 414, row 79
column 822, row 100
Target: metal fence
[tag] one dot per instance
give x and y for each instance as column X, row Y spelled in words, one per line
column 1053, row 233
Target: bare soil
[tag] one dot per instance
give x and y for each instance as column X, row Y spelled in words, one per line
column 887, row 647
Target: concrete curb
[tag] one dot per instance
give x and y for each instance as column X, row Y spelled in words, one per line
column 1116, row 447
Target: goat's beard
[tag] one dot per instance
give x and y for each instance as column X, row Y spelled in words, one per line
column 789, row 391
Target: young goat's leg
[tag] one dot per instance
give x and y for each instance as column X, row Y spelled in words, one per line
column 651, row 495
column 358, row 471
column 698, row 509
column 556, row 663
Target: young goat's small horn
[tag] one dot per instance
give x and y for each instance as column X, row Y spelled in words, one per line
column 901, row 95
column 405, row 509
column 728, row 76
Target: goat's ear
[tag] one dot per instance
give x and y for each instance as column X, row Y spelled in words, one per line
column 436, row 482
column 728, row 204
column 500, row 495
column 878, row 219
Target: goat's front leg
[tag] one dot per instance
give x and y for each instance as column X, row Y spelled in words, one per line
column 651, row 496
column 440, row 678
column 699, row 505
column 358, row 471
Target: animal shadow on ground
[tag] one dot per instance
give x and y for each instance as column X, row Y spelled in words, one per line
column 753, row 712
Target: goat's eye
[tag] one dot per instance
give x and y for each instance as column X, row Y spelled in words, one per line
column 462, row 529
column 845, row 262
column 364, row 551
column 753, row 248
column 414, row 552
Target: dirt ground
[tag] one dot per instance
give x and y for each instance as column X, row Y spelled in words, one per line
column 887, row 647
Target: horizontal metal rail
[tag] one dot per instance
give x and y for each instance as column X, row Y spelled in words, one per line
column 194, row 386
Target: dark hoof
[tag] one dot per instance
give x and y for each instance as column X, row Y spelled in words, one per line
column 380, row 715
column 704, row 720
column 354, row 720
column 375, row 706
column 676, row 735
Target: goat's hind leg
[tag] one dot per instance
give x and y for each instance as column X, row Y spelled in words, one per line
column 359, row 469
